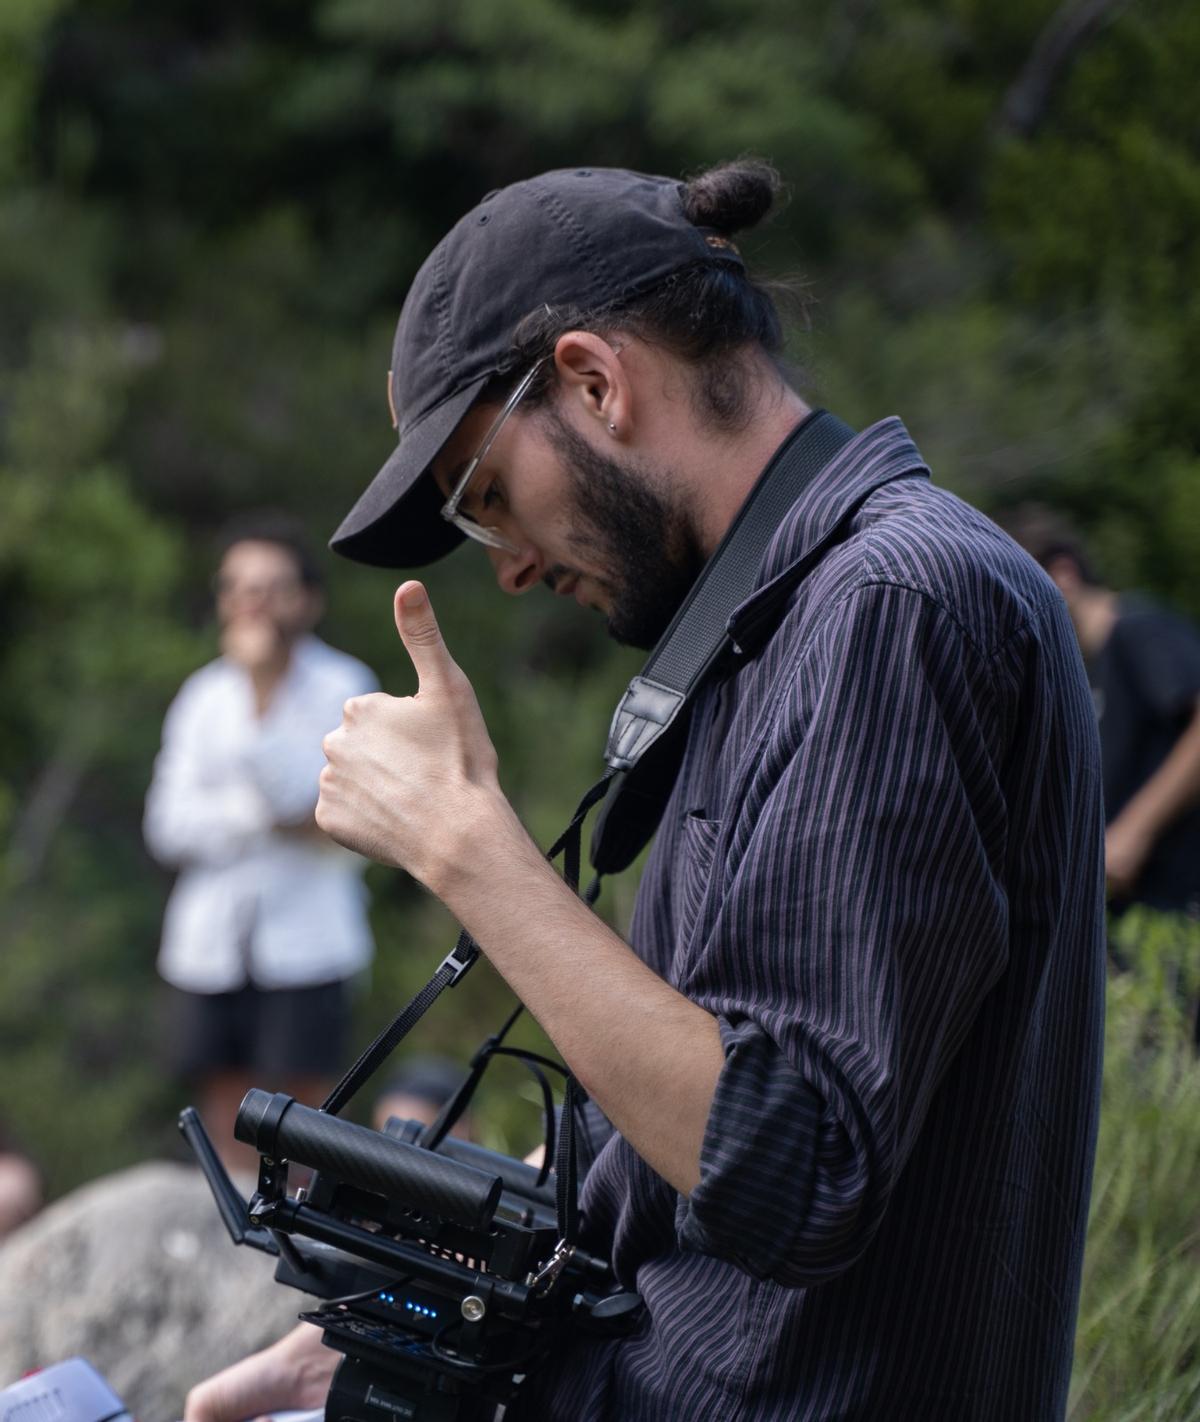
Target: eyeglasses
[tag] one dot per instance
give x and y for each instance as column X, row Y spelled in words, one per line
column 226, row 586
column 492, row 537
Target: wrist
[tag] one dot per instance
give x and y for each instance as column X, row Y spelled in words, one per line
column 310, row 1366
column 485, row 842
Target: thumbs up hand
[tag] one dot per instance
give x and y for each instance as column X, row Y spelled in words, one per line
column 407, row 774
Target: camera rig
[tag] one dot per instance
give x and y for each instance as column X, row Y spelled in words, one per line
column 443, row 1274
column 447, row 1271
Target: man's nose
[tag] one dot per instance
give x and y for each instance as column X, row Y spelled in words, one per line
column 516, row 572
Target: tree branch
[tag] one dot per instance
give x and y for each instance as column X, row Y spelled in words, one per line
column 48, row 804
column 1057, row 47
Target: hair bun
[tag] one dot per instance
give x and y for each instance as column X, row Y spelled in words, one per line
column 732, row 196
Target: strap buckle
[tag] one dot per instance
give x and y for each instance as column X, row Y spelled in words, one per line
column 544, row 1280
column 458, row 966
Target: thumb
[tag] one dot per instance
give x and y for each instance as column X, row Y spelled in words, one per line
column 422, row 637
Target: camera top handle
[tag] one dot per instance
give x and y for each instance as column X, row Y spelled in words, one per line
column 282, row 1129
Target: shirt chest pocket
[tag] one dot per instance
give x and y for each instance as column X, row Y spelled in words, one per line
column 695, row 874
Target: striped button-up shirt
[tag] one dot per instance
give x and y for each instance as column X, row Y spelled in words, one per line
column 881, row 870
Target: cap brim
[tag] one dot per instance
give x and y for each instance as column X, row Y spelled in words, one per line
column 397, row 522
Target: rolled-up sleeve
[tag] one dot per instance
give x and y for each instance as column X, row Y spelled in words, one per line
column 190, row 816
column 858, row 924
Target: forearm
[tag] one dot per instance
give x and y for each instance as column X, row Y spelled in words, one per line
column 412, row 781
column 294, row 1372
column 648, row 1056
column 186, row 824
column 1173, row 788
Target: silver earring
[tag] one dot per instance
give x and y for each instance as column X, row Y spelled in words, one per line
column 612, row 427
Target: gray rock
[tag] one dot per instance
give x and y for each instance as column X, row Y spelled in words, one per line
column 135, row 1273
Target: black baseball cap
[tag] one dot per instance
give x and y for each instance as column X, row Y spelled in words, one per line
column 588, row 238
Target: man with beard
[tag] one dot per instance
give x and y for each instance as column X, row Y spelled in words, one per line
column 850, row 1056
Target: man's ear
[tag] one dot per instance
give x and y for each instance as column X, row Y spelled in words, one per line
column 594, row 382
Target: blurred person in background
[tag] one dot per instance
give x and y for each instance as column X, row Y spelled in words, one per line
column 1143, row 663
column 417, row 1090
column 266, row 925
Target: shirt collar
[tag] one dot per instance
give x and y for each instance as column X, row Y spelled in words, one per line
column 877, row 456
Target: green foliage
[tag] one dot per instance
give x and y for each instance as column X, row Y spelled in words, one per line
column 1136, row 1354
column 22, row 23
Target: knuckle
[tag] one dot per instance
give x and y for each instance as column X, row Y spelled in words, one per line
column 357, row 706
column 426, row 634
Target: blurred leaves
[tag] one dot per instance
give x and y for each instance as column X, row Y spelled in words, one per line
column 1136, row 1348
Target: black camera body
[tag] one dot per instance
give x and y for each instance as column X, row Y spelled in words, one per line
column 443, row 1276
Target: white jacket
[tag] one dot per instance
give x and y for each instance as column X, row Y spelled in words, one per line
column 252, row 902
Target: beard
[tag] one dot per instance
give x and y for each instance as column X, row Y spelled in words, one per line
column 623, row 522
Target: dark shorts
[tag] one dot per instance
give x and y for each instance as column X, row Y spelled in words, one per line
column 281, row 1032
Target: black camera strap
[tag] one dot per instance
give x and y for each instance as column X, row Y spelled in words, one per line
column 451, row 970
column 649, row 728
column 643, row 753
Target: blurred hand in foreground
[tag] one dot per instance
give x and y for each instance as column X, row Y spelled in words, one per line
column 293, row 1373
